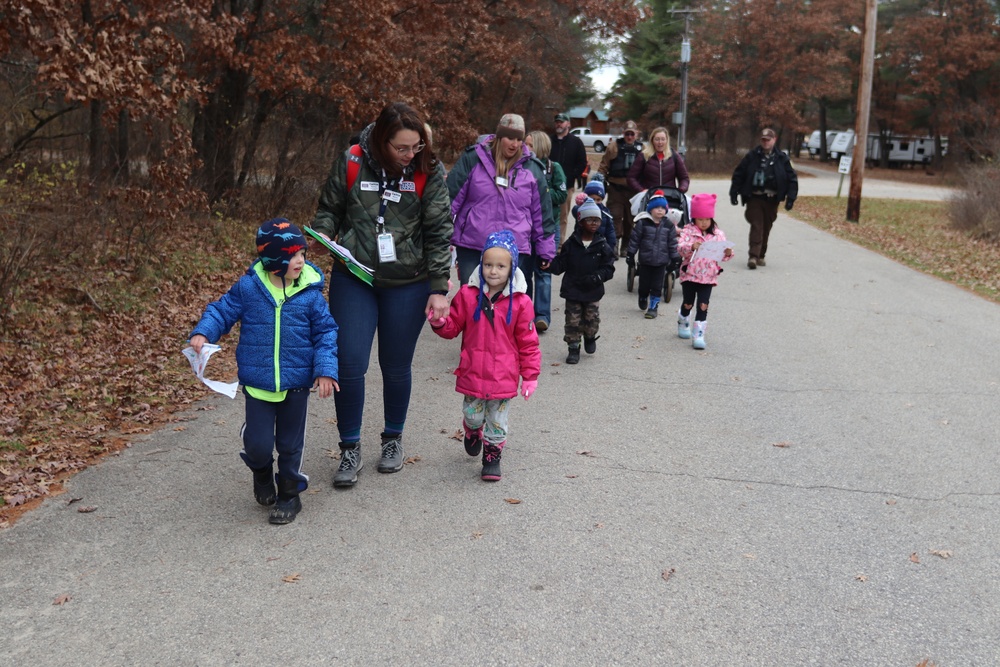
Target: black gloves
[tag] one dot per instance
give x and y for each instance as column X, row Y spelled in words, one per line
column 788, row 204
column 733, row 200
column 675, row 265
column 592, row 280
column 630, row 260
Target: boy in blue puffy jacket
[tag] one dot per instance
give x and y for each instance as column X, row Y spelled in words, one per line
column 288, row 344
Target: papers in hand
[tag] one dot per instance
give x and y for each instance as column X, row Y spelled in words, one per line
column 712, row 250
column 344, row 255
column 198, row 363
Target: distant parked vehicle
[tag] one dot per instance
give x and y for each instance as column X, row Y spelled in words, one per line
column 813, row 145
column 842, row 144
column 595, row 142
column 902, row 150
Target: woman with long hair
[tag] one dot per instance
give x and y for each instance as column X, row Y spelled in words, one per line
column 387, row 203
column 495, row 185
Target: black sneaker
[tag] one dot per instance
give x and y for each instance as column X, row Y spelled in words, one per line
column 643, row 303
column 473, row 441
column 574, row 355
column 590, row 344
column 350, row 465
column 392, row 453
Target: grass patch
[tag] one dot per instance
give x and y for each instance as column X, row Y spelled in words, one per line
column 915, row 233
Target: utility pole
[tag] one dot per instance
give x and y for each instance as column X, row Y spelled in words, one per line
column 685, row 59
column 864, row 110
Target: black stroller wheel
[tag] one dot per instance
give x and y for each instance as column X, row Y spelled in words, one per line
column 668, row 286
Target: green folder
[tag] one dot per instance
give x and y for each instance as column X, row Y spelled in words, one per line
column 344, row 256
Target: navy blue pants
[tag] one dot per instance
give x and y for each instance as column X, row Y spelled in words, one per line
column 277, row 426
column 397, row 314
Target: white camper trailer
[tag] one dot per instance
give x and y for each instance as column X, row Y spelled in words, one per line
column 813, row 145
column 843, row 144
column 902, row 150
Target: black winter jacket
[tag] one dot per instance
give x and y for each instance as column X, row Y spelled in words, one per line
column 587, row 268
column 785, row 181
column 656, row 244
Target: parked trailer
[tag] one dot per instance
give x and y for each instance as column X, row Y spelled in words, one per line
column 813, row 145
column 902, row 150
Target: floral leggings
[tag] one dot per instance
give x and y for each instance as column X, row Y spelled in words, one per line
column 490, row 415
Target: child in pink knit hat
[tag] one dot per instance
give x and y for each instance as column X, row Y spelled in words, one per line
column 699, row 273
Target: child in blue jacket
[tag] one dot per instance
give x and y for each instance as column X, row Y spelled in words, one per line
column 288, row 344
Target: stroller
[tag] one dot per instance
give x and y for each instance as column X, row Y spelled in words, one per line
column 676, row 200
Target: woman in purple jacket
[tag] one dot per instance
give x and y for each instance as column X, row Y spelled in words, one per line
column 496, row 185
column 658, row 165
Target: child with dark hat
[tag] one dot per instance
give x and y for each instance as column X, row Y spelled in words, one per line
column 588, row 261
column 654, row 238
column 288, row 344
column 499, row 348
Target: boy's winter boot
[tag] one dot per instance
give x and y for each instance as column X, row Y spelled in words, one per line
column 643, row 303
column 698, row 342
column 491, row 462
column 683, row 326
column 263, row 485
column 350, row 465
column 288, row 504
column 473, row 440
column 590, row 344
column 654, row 302
column 392, row 453
column 574, row 354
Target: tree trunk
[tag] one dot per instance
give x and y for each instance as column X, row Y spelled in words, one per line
column 96, row 142
column 121, row 170
column 250, row 152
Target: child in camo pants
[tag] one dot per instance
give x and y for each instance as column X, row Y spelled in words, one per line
column 588, row 262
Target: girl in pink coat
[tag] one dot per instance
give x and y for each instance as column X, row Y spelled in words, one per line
column 499, row 347
column 699, row 274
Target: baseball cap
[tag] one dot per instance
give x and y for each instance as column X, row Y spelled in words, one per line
column 560, row 117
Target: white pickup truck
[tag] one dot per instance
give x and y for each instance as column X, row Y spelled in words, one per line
column 594, row 142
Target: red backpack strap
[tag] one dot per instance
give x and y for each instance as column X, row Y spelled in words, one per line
column 419, row 181
column 353, row 165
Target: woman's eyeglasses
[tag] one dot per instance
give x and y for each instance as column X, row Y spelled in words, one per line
column 408, row 150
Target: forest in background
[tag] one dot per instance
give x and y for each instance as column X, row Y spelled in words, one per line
column 794, row 65
column 141, row 141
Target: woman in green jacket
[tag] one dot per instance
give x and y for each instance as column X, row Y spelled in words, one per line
column 387, row 203
column 541, row 145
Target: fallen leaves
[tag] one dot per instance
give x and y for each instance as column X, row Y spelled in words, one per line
column 783, row 444
column 411, row 460
column 457, row 435
column 666, row 574
column 292, row 578
column 914, row 558
column 61, row 600
column 86, row 509
column 941, row 553
column 861, row 577
column 587, row 452
column 512, row 501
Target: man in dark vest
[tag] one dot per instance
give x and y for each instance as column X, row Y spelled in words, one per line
column 615, row 165
column 762, row 180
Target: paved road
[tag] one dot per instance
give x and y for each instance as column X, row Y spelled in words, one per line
column 818, row 487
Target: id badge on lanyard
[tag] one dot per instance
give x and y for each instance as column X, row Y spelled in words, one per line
column 386, row 246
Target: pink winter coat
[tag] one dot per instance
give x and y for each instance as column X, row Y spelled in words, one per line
column 701, row 270
column 494, row 355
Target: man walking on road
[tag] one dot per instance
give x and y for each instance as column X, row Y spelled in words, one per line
column 763, row 179
column 571, row 155
column 615, row 164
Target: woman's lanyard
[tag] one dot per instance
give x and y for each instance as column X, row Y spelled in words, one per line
column 386, row 246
